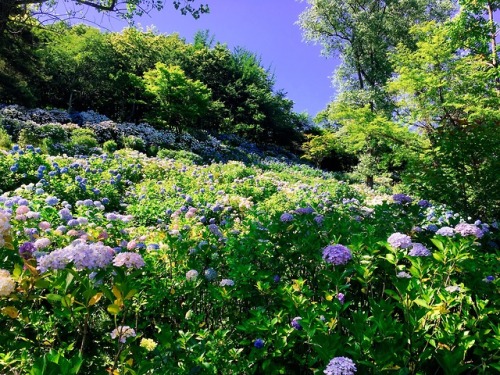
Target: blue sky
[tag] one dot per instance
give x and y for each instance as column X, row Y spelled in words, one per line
column 264, row 27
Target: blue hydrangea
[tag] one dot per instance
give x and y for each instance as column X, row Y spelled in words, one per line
column 468, row 230
column 295, row 323
column 446, row 231
column 286, row 217
column 210, row 274
column 226, row 282
column 340, row 366
column 337, row 254
column 259, row 343
column 419, row 250
column 401, row 198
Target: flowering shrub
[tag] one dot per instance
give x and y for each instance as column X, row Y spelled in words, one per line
column 122, row 263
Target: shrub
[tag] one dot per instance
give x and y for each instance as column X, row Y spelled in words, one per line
column 110, row 146
column 180, row 155
column 5, row 140
column 134, row 143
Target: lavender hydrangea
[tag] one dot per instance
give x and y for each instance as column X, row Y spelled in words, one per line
column 191, row 275
column 83, row 255
column 129, row 260
column 226, row 282
column 403, row 275
column 340, row 366
column 399, row 240
column 419, row 250
column 446, row 232
column 337, row 254
column 26, row 250
column 122, row 333
column 465, row 230
column 286, row 217
column 341, row 298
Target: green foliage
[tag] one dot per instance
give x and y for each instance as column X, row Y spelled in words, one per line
column 5, row 139
column 134, row 143
column 452, row 97
column 178, row 101
column 83, row 141
column 110, row 146
column 185, row 156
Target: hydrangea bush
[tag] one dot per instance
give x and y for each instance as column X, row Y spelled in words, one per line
column 123, row 263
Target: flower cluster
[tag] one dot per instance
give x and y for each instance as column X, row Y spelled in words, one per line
column 191, row 275
column 122, row 333
column 129, row 260
column 337, row 254
column 401, row 198
column 340, row 366
column 7, row 283
column 295, row 323
column 259, row 343
column 4, row 226
column 465, row 230
column 148, row 344
column 286, row 217
column 226, row 282
column 399, row 240
column 83, row 255
column 419, row 250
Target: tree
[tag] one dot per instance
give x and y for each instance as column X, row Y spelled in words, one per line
column 448, row 90
column 178, row 101
column 15, row 11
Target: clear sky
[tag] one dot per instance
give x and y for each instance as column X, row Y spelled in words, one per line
column 264, row 27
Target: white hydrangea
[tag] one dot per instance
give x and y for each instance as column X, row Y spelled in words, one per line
column 7, row 283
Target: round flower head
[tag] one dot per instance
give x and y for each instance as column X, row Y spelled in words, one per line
column 226, row 282
column 403, row 275
column 259, row 343
column 401, row 198
column 489, row 279
column 286, row 217
column 399, row 240
column 122, row 333
column 210, row 274
column 446, row 231
column 129, row 260
column 26, row 250
column 341, row 298
column 340, row 366
column 7, row 283
column 191, row 275
column 337, row 254
column 296, row 323
column 419, row 250
column 468, row 230
column 148, row 344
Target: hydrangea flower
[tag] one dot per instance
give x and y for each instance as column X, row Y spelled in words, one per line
column 399, row 240
column 304, row 211
column 122, row 333
column 403, row 275
column 129, row 260
column 401, row 198
column 489, row 279
column 419, row 250
column 7, row 283
column 340, row 366
column 191, row 275
column 341, row 298
column 296, row 323
column 286, row 217
column 446, row 231
column 26, row 250
column 42, row 243
column 148, row 344
column 453, row 288
column 424, row 203
column 226, row 282
column 210, row 274
column 52, row 201
column 337, row 254
column 276, row 278
column 259, row 343
column 468, row 230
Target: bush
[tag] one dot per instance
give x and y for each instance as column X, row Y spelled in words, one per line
column 180, row 155
column 134, row 143
column 5, row 140
column 33, row 134
column 110, row 146
column 83, row 141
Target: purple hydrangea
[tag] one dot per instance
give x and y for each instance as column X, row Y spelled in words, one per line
column 259, row 343
column 337, row 254
column 84, row 256
column 304, row 211
column 432, row 227
column 489, row 279
column 446, row 231
column 226, row 282
column 26, row 250
column 122, row 333
column 340, row 366
column 419, row 250
column 214, row 229
column 319, row 219
column 65, row 214
column 296, row 323
column 399, row 240
column 401, row 198
column 51, row 201
column 468, row 230
column 276, row 278
column 424, row 203
column 286, row 217
column 341, row 298
column 129, row 260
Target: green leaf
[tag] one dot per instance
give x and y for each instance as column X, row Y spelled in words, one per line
column 53, row 297
column 114, row 309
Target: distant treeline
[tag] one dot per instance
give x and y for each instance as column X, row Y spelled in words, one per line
column 137, row 75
